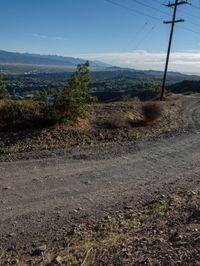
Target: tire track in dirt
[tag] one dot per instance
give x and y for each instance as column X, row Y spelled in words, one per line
column 191, row 112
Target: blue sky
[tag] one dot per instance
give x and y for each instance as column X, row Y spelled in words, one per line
column 99, row 29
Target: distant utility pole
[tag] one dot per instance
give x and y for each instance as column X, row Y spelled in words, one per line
column 174, row 20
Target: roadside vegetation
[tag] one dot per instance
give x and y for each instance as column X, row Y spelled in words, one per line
column 70, row 104
column 103, row 124
column 74, row 117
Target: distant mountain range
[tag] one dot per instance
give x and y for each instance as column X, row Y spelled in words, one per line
column 45, row 60
column 25, row 63
column 116, row 73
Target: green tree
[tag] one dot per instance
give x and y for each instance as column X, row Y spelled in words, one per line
column 70, row 104
column 3, row 88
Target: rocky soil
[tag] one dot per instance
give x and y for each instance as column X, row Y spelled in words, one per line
column 165, row 231
column 123, row 203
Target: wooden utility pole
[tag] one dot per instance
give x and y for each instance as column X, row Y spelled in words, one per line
column 175, row 5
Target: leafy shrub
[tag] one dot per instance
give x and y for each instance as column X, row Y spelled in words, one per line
column 12, row 111
column 9, row 150
column 152, row 112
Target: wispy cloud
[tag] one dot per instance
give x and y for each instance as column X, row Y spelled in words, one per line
column 179, row 61
column 59, row 38
column 39, row 36
column 55, row 38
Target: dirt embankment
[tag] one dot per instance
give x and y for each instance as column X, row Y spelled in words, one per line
column 105, row 123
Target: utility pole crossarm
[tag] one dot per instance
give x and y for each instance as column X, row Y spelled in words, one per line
column 176, row 21
column 174, row 4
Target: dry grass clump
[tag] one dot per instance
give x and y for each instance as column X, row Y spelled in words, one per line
column 117, row 120
column 152, row 112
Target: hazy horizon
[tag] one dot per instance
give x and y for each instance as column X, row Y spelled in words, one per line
column 153, row 61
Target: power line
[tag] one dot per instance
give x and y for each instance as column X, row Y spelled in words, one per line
column 152, row 28
column 191, row 15
column 165, row 13
column 138, row 12
column 184, row 12
column 132, row 10
column 146, row 15
column 142, row 39
column 194, row 6
column 193, row 23
column 146, row 36
column 189, row 21
column 190, row 30
column 151, row 7
column 143, row 14
column 141, row 29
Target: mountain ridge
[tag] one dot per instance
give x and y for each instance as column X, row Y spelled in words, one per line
column 7, row 57
column 30, row 63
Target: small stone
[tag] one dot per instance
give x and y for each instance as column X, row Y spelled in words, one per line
column 14, row 262
column 128, row 207
column 6, row 188
column 175, row 237
column 10, row 235
column 87, row 183
column 128, row 216
column 38, row 251
column 57, row 260
column 78, row 209
column 108, row 218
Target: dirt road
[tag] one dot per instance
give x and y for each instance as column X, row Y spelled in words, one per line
column 38, row 198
